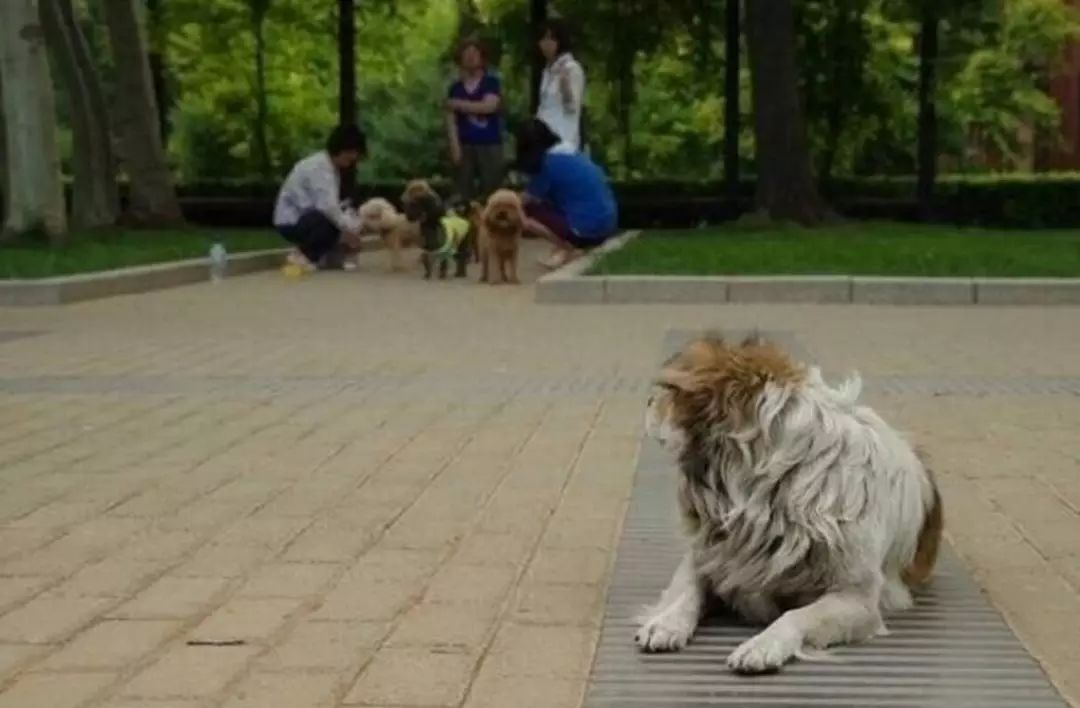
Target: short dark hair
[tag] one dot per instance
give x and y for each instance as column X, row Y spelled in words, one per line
column 559, row 31
column 345, row 138
column 534, row 139
column 470, row 43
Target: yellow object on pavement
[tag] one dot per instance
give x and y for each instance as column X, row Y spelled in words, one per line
column 292, row 271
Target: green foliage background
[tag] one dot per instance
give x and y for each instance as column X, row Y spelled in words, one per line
column 655, row 81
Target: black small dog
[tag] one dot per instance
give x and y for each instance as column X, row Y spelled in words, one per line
column 442, row 237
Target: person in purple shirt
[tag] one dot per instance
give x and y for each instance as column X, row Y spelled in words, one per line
column 474, row 124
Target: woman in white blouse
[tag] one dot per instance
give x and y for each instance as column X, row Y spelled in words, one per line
column 562, row 85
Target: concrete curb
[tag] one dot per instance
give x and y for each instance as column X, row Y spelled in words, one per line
column 124, row 281
column 570, row 285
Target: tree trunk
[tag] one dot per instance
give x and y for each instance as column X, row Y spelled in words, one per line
column 347, row 79
column 262, row 110
column 156, row 33
column 152, row 193
column 36, row 202
column 732, row 34
column 95, row 200
column 927, row 140
column 785, row 181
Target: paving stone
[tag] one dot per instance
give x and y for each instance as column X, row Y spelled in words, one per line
column 221, row 561
column 14, row 541
column 492, row 691
column 558, row 604
column 141, row 703
column 172, row 597
column 368, row 601
column 250, row 620
column 461, row 583
column 14, row 591
column 54, row 690
column 13, row 655
column 1054, row 539
column 297, row 580
column 557, row 565
column 113, row 644
column 445, row 628
column 326, row 645
column 48, row 619
column 158, row 546
column 413, row 677
column 537, row 651
column 265, row 690
column 109, row 579
column 189, row 672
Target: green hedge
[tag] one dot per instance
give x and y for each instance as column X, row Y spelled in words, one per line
column 1018, row 200
column 1015, row 200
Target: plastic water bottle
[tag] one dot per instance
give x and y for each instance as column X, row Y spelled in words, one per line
column 219, row 262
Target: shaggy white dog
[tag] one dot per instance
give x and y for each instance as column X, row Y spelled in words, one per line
column 806, row 511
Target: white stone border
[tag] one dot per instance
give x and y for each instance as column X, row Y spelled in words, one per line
column 570, row 285
column 123, row 281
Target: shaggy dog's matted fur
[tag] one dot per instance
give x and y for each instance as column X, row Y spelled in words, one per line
column 806, row 511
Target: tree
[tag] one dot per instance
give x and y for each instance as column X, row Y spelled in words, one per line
column 732, row 35
column 929, row 21
column 785, row 181
column 347, row 114
column 259, row 9
column 155, row 30
column 95, row 200
column 152, row 193
column 834, row 47
column 36, row 200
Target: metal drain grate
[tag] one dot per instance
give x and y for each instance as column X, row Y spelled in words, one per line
column 952, row 650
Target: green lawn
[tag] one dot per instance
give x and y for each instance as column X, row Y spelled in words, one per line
column 119, row 248
column 866, row 248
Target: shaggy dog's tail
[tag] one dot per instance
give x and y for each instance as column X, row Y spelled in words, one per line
column 926, row 552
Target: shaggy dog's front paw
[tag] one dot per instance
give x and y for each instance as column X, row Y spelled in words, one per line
column 763, row 653
column 665, row 631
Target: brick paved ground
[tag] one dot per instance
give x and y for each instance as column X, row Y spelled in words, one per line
column 359, row 489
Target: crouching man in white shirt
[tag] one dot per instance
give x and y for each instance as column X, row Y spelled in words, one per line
column 309, row 212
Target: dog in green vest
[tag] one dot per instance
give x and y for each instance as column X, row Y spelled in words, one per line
column 445, row 235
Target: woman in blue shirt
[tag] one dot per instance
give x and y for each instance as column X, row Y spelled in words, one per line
column 567, row 199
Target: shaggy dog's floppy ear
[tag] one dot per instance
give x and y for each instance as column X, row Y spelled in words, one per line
column 692, row 376
column 719, row 383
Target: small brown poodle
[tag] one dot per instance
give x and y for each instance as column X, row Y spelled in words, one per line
column 501, row 224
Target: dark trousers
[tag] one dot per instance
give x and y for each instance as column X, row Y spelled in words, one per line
column 314, row 234
column 481, row 171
